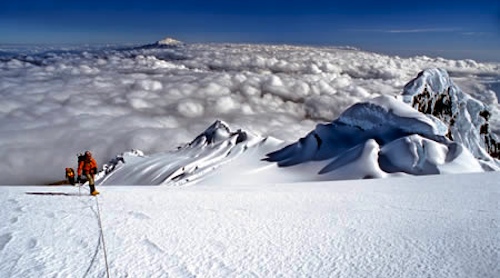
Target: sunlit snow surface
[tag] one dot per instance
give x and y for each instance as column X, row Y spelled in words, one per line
column 433, row 226
column 58, row 102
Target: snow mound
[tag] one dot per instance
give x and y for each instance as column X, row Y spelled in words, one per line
column 390, row 113
column 376, row 138
column 433, row 92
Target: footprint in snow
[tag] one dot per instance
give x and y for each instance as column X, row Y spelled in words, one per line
column 32, row 243
column 4, row 240
column 139, row 215
column 180, row 271
column 153, row 245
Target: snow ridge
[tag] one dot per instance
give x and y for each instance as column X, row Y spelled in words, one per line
column 216, row 146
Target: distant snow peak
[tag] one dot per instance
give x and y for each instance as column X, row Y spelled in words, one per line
column 433, row 92
column 164, row 43
column 169, row 42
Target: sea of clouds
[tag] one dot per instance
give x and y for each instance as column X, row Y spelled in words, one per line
column 55, row 103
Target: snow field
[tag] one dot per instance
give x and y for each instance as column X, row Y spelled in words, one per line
column 54, row 236
column 432, row 226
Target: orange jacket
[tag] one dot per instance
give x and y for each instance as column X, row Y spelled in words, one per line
column 86, row 165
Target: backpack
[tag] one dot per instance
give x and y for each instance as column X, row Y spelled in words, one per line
column 81, row 157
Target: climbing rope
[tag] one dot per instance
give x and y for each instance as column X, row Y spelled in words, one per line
column 101, row 232
column 102, row 236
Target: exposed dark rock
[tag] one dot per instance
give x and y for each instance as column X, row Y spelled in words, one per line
column 445, row 101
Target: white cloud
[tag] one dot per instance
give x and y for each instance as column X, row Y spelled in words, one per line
column 414, row 30
column 57, row 104
column 423, row 30
column 190, row 108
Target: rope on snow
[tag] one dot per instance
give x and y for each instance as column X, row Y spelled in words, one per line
column 100, row 231
column 102, row 237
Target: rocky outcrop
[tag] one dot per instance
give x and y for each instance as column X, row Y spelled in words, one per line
column 433, row 92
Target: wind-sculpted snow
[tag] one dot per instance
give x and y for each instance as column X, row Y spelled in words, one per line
column 213, row 148
column 374, row 138
column 56, row 102
column 389, row 113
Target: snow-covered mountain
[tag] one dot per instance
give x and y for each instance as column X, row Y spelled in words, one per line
column 164, row 43
column 378, row 138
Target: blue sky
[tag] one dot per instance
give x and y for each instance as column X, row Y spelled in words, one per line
column 452, row 29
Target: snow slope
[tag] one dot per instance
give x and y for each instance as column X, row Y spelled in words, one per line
column 432, row 226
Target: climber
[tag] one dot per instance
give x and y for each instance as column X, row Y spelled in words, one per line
column 88, row 166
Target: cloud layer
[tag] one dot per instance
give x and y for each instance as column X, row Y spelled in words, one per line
column 54, row 104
